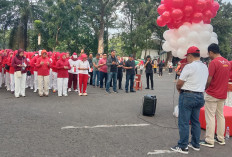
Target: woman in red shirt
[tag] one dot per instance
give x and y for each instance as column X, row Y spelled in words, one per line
column 55, row 59
column 62, row 75
column 43, row 65
column 11, row 72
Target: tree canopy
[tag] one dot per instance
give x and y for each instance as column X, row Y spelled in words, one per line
column 72, row 25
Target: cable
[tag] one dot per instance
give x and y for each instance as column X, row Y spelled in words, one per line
column 155, row 124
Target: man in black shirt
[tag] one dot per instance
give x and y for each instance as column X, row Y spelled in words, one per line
column 112, row 64
column 149, row 72
column 90, row 59
column 130, row 73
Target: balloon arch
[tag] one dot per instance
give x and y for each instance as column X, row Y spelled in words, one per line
column 189, row 25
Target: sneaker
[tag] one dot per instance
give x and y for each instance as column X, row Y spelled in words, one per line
column 31, row 88
column 59, row 95
column 127, row 92
column 152, row 88
column 147, row 88
column 76, row 90
column 80, row 94
column 219, row 142
column 108, row 92
column 194, row 148
column 133, row 91
column 65, row 95
column 204, row 143
column 115, row 91
column 85, row 94
column 180, row 150
column 35, row 91
column 69, row 90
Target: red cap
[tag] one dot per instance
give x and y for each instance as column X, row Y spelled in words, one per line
column 193, row 49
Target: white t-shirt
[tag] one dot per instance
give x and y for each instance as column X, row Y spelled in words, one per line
column 195, row 76
column 73, row 64
column 84, row 64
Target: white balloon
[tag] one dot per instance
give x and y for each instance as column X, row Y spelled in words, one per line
column 208, row 27
column 183, row 30
column 181, row 53
column 204, row 50
column 205, row 36
column 214, row 40
column 196, row 27
column 214, row 35
column 181, row 42
column 166, row 46
column 174, row 53
column 193, row 36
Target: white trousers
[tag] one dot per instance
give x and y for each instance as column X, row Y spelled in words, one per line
column 31, row 81
column 62, row 84
column 7, row 80
column 3, row 78
column 0, row 80
column 20, row 85
column 50, row 79
column 12, row 83
column 43, row 84
column 54, row 80
column 35, row 80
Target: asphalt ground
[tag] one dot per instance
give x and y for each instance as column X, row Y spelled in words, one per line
column 32, row 126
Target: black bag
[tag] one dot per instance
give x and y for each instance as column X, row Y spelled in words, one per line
column 7, row 67
column 28, row 73
column 149, row 105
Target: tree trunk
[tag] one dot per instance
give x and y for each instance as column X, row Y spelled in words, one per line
column 101, row 37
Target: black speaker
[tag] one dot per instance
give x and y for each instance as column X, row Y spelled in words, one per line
column 149, row 105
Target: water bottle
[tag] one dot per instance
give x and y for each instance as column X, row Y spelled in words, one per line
column 227, row 133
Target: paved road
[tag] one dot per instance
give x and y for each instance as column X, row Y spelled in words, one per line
column 32, row 126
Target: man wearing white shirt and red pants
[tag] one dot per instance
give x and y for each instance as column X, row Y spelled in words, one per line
column 191, row 86
column 83, row 67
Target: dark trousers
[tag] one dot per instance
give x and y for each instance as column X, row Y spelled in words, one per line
column 161, row 72
column 120, row 75
column 155, row 70
column 189, row 110
column 103, row 76
column 72, row 81
column 170, row 70
column 131, row 79
column 149, row 75
column 91, row 77
column 177, row 76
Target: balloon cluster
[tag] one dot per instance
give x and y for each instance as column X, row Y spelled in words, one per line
column 174, row 13
column 179, row 40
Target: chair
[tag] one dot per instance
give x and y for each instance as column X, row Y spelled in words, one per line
column 138, row 85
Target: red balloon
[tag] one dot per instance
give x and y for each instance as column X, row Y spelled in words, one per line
column 177, row 14
column 197, row 17
column 166, row 16
column 162, row 1
column 190, row 2
column 200, row 5
column 188, row 10
column 214, row 14
column 168, row 3
column 208, row 14
column 161, row 9
column 178, row 3
column 207, row 22
column 208, row 3
column 160, row 22
column 216, row 6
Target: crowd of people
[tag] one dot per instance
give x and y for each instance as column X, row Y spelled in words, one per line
column 43, row 71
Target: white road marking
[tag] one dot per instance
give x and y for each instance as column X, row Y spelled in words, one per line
column 160, row 152
column 104, row 126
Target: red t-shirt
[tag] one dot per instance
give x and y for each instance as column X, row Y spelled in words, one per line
column 104, row 67
column 219, row 69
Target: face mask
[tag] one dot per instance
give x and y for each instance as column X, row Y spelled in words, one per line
column 74, row 56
